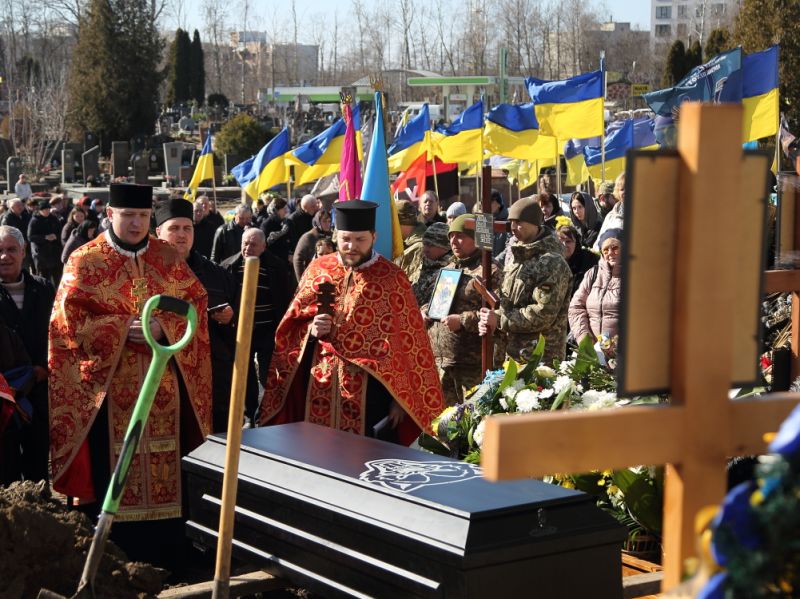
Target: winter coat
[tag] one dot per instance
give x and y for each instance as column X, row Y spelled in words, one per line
column 500, row 239
column 534, row 298
column 77, row 238
column 594, row 309
column 18, row 222
column 615, row 219
column 32, row 322
column 46, row 253
column 204, row 232
column 579, row 262
column 306, row 249
column 227, row 242
column 300, row 223
column 278, row 232
column 590, row 228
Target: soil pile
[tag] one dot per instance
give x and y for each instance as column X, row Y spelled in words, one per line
column 44, row 545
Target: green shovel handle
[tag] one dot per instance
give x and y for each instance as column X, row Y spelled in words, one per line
column 141, row 411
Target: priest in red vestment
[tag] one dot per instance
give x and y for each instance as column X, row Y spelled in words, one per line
column 98, row 359
column 364, row 364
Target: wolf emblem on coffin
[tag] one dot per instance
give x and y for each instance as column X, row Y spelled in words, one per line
column 408, row 475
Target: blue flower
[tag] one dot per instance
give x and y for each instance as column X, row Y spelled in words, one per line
column 787, row 441
column 714, row 588
column 736, row 517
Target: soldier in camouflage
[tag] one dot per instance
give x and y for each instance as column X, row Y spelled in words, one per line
column 535, row 294
column 436, row 254
column 455, row 341
column 412, row 229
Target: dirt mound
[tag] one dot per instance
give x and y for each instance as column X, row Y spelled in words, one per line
column 44, row 545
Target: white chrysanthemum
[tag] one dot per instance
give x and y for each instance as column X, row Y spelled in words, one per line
column 527, row 400
column 503, row 402
column 545, row 372
column 545, row 393
column 477, row 434
column 565, row 366
column 598, row 400
column 563, row 382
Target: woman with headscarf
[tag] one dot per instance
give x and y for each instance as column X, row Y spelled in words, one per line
column 578, row 257
column 584, row 217
column 594, row 309
column 306, row 246
column 551, row 208
column 82, row 234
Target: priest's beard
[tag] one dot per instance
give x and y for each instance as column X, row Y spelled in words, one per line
column 355, row 259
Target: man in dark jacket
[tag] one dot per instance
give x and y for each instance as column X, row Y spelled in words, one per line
column 204, row 228
column 302, row 218
column 228, row 238
column 275, row 290
column 25, row 305
column 44, row 234
column 174, row 225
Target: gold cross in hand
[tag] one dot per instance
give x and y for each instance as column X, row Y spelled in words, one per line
column 139, row 293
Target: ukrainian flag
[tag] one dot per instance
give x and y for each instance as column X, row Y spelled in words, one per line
column 267, row 168
column 411, row 140
column 388, row 239
column 621, row 137
column 513, row 131
column 760, row 94
column 577, row 171
column 203, row 170
column 572, row 108
column 462, row 140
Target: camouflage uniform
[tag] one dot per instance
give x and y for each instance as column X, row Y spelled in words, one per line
column 534, row 299
column 458, row 355
column 411, row 259
column 427, row 278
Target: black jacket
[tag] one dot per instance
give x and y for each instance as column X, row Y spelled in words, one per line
column 46, row 253
column 19, row 222
column 204, row 237
column 581, row 261
column 227, row 242
column 301, row 224
column 279, row 236
column 32, row 322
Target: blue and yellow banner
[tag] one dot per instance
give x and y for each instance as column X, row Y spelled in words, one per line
column 461, row 141
column 320, row 155
column 760, row 94
column 577, row 171
column 620, row 137
column 570, row 108
column 411, row 140
column 203, row 170
column 267, row 168
column 513, row 131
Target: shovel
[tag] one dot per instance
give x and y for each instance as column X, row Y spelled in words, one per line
column 141, row 412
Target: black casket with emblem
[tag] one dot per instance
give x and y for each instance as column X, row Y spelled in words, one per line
column 343, row 515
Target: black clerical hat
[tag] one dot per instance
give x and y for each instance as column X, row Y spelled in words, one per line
column 128, row 195
column 355, row 215
column 174, row 208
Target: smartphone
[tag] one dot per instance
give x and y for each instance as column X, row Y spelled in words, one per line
column 219, row 308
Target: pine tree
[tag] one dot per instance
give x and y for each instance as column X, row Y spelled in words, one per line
column 179, row 68
column 760, row 24
column 694, row 57
column 114, row 78
column 197, row 70
column 675, row 68
column 719, row 41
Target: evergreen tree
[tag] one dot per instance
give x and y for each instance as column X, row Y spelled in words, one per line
column 197, row 70
column 179, row 68
column 760, row 24
column 243, row 136
column 114, row 77
column 694, row 57
column 719, row 41
column 675, row 68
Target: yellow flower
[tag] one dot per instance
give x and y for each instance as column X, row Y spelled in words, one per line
column 568, row 484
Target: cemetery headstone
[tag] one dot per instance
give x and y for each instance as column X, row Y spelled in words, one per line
column 187, row 123
column 138, row 143
column 90, row 140
column 173, row 156
column 13, row 170
column 90, row 160
column 120, row 156
column 140, row 168
column 67, row 165
column 155, row 163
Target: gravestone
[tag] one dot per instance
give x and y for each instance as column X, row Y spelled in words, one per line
column 67, row 165
column 90, row 161
column 140, row 168
column 345, row 515
column 90, row 140
column 155, row 162
column 138, row 143
column 173, row 157
column 187, row 123
column 120, row 157
column 13, row 171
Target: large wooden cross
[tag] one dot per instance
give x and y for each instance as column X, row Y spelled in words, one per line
column 701, row 428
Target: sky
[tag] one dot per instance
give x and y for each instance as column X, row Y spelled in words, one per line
column 637, row 12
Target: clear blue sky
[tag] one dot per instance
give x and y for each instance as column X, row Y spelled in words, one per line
column 637, row 12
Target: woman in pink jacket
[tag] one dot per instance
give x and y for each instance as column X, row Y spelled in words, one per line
column 594, row 309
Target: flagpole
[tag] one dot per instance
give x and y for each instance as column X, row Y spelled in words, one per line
column 603, row 116
column 435, row 178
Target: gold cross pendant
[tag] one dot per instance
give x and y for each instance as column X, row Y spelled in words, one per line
column 139, row 293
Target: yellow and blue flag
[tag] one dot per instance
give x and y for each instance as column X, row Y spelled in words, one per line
column 411, row 140
column 203, row 170
column 760, row 94
column 513, row 131
column 577, row 171
column 267, row 168
column 462, row 140
column 389, row 240
column 620, row 137
column 570, row 108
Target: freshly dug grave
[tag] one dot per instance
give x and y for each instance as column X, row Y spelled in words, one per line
column 44, row 545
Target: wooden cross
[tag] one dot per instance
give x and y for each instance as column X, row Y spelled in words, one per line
column 139, row 293
column 326, row 296
column 702, row 428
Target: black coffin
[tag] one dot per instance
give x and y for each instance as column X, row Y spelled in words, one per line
column 343, row 515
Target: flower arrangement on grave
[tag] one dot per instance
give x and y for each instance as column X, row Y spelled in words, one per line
column 632, row 495
column 752, row 548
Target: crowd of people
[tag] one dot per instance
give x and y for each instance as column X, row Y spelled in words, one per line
column 74, row 276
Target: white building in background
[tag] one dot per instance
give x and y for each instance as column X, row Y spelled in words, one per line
column 689, row 20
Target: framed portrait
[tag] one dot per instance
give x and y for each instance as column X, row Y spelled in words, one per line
column 443, row 293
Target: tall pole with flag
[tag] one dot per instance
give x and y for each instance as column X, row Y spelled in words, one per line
column 603, row 115
column 349, row 166
column 203, row 171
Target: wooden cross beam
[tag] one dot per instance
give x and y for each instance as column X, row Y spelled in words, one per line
column 702, row 428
